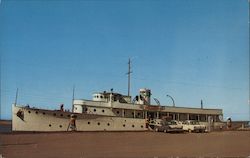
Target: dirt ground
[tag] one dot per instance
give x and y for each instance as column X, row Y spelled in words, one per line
column 125, row 144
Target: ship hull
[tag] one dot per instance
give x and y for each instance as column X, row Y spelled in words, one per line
column 42, row 120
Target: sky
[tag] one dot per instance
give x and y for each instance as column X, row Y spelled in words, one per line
column 192, row 50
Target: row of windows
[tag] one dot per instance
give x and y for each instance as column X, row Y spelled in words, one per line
column 97, row 96
column 138, row 114
column 59, row 125
column 102, row 110
column 118, row 112
column 45, row 113
column 108, row 124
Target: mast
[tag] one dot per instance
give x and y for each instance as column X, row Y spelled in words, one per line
column 73, row 98
column 16, row 96
column 128, row 73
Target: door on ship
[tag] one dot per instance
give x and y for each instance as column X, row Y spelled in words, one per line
column 151, row 115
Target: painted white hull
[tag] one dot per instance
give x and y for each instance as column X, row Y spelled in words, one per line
column 50, row 120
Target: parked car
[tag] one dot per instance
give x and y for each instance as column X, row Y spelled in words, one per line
column 167, row 126
column 193, row 126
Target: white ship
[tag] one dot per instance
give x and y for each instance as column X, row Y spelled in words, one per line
column 108, row 111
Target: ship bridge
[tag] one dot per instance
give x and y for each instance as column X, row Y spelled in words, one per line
column 107, row 96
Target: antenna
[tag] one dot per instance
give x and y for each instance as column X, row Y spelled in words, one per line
column 128, row 73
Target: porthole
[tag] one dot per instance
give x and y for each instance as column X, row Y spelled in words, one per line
column 28, row 111
column 36, row 112
column 98, row 123
column 133, row 126
column 102, row 110
column 108, row 124
column 49, row 125
column 89, row 123
column 60, row 126
column 124, row 125
column 141, row 126
column 117, row 112
column 54, row 114
column 94, row 110
column 43, row 113
column 61, row 115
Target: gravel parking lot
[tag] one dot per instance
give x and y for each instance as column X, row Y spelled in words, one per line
column 125, row 144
